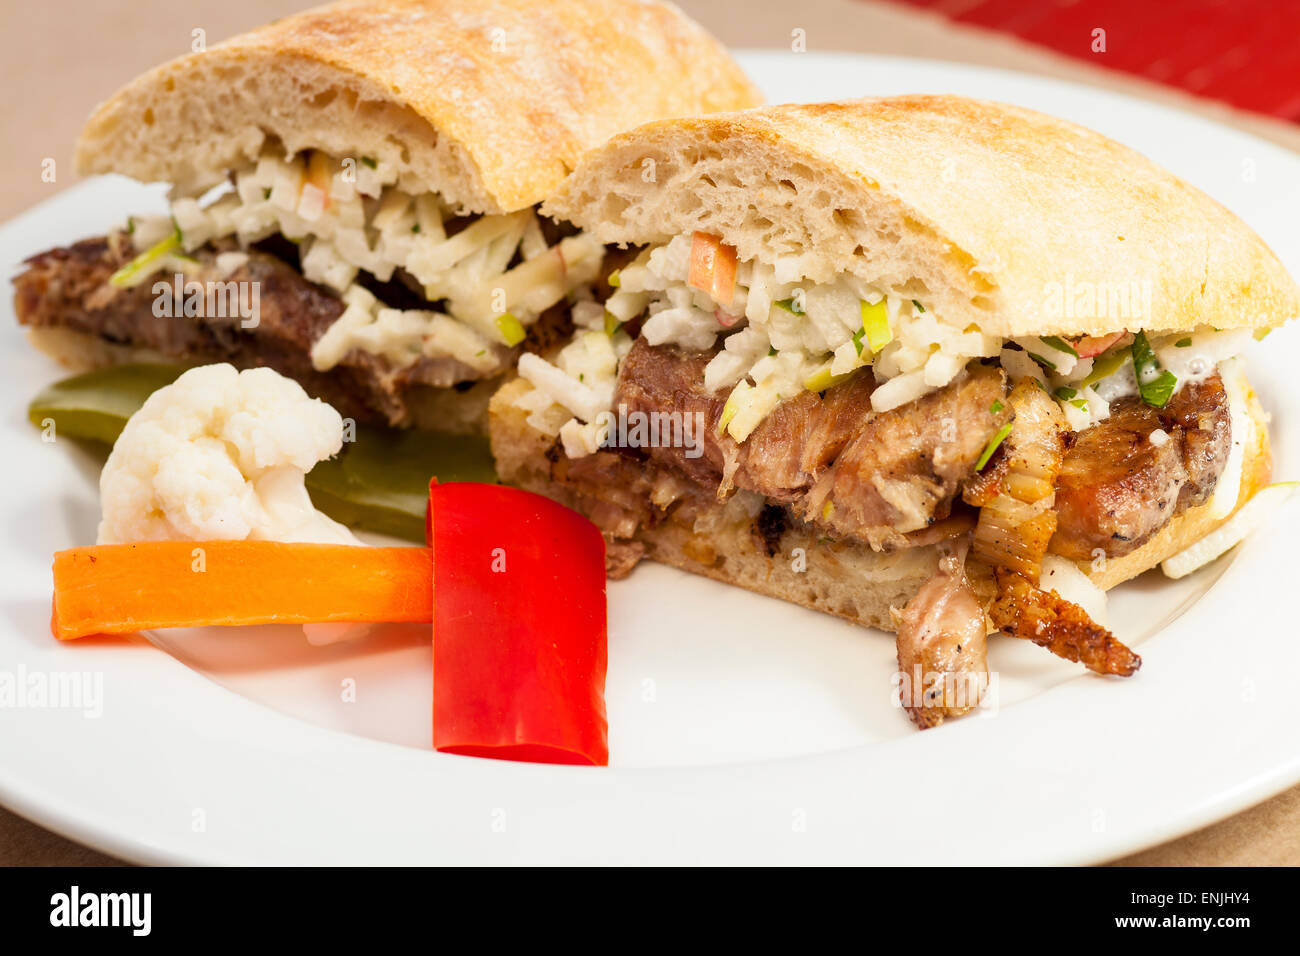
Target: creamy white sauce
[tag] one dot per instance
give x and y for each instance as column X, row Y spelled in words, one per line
column 1228, row 488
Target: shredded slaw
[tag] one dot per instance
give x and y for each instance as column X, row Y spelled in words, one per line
column 487, row 279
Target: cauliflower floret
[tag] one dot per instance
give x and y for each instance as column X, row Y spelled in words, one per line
column 220, row 455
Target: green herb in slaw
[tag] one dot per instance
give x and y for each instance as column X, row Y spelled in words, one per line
column 143, row 265
column 992, row 446
column 1155, row 384
column 1058, row 343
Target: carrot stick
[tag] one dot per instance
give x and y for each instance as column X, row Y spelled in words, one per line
column 123, row 588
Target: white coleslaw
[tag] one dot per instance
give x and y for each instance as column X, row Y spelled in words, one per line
column 491, row 277
column 780, row 335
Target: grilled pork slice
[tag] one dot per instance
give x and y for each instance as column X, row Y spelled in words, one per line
column 1200, row 411
column 668, row 380
column 866, row 476
column 902, row 471
column 1128, row 475
column 942, row 645
column 68, row 288
column 782, row 456
column 800, row 439
column 619, row 491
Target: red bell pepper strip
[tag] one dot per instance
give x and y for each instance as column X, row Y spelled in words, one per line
column 519, row 627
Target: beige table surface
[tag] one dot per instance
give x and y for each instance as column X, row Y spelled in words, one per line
column 59, row 57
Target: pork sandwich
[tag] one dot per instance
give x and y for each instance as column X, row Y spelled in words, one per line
column 365, row 177
column 939, row 366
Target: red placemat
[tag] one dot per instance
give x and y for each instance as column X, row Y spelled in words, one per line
column 1244, row 52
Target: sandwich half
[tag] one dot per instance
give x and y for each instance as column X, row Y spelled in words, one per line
column 939, row 366
column 354, row 195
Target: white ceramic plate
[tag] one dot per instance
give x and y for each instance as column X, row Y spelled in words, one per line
column 742, row 729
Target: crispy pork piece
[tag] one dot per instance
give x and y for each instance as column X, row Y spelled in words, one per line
column 1050, row 621
column 903, row 470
